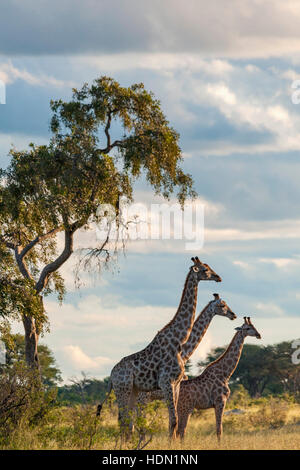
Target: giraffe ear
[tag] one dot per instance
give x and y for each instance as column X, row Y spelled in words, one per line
column 238, row 328
column 195, row 269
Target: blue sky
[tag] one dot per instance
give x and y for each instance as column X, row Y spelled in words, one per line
column 223, row 76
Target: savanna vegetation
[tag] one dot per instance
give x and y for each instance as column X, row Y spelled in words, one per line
column 55, row 416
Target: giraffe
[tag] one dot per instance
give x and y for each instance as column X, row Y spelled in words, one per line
column 217, row 306
column 159, row 365
column 210, row 389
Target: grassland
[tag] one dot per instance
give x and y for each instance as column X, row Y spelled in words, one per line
column 265, row 424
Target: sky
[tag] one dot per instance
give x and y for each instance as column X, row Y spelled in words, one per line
column 224, row 76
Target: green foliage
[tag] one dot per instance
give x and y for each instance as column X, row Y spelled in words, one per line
column 240, row 398
column 85, row 426
column 18, row 296
column 24, row 402
column 15, row 353
column 188, row 368
column 148, row 143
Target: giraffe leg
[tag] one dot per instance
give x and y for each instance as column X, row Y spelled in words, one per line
column 184, row 411
column 132, row 411
column 183, row 420
column 169, row 396
column 123, row 396
column 219, row 410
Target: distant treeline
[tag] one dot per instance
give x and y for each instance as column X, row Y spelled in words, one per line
column 85, row 390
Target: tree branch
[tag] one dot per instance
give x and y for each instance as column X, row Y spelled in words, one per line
column 56, row 264
column 39, row 239
column 107, row 127
column 21, row 265
column 116, row 143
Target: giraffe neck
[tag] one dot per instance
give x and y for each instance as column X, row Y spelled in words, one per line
column 180, row 326
column 198, row 331
column 228, row 361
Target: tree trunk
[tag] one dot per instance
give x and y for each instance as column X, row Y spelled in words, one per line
column 31, row 342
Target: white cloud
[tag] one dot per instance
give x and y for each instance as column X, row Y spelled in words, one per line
column 281, row 263
column 157, row 61
column 264, row 230
column 9, row 74
column 81, row 361
column 258, row 114
column 221, row 93
column 242, row 265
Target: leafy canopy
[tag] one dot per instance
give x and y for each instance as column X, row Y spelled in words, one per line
column 57, row 187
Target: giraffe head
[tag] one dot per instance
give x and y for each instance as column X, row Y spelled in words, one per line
column 219, row 307
column 248, row 329
column 203, row 272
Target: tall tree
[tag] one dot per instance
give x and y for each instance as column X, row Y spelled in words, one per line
column 57, row 188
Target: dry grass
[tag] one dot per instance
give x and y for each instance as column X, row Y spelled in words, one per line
column 267, row 425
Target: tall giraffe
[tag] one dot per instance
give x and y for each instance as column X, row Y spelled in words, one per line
column 210, row 389
column 217, row 306
column 159, row 365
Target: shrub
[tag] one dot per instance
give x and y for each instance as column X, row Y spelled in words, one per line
column 272, row 414
column 24, row 402
column 240, row 397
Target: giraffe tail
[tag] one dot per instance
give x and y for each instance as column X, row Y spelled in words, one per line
column 99, row 407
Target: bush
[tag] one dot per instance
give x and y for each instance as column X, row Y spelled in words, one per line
column 240, row 397
column 24, row 402
column 272, row 414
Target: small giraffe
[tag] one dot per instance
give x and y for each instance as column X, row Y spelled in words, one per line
column 159, row 365
column 210, row 389
column 214, row 307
